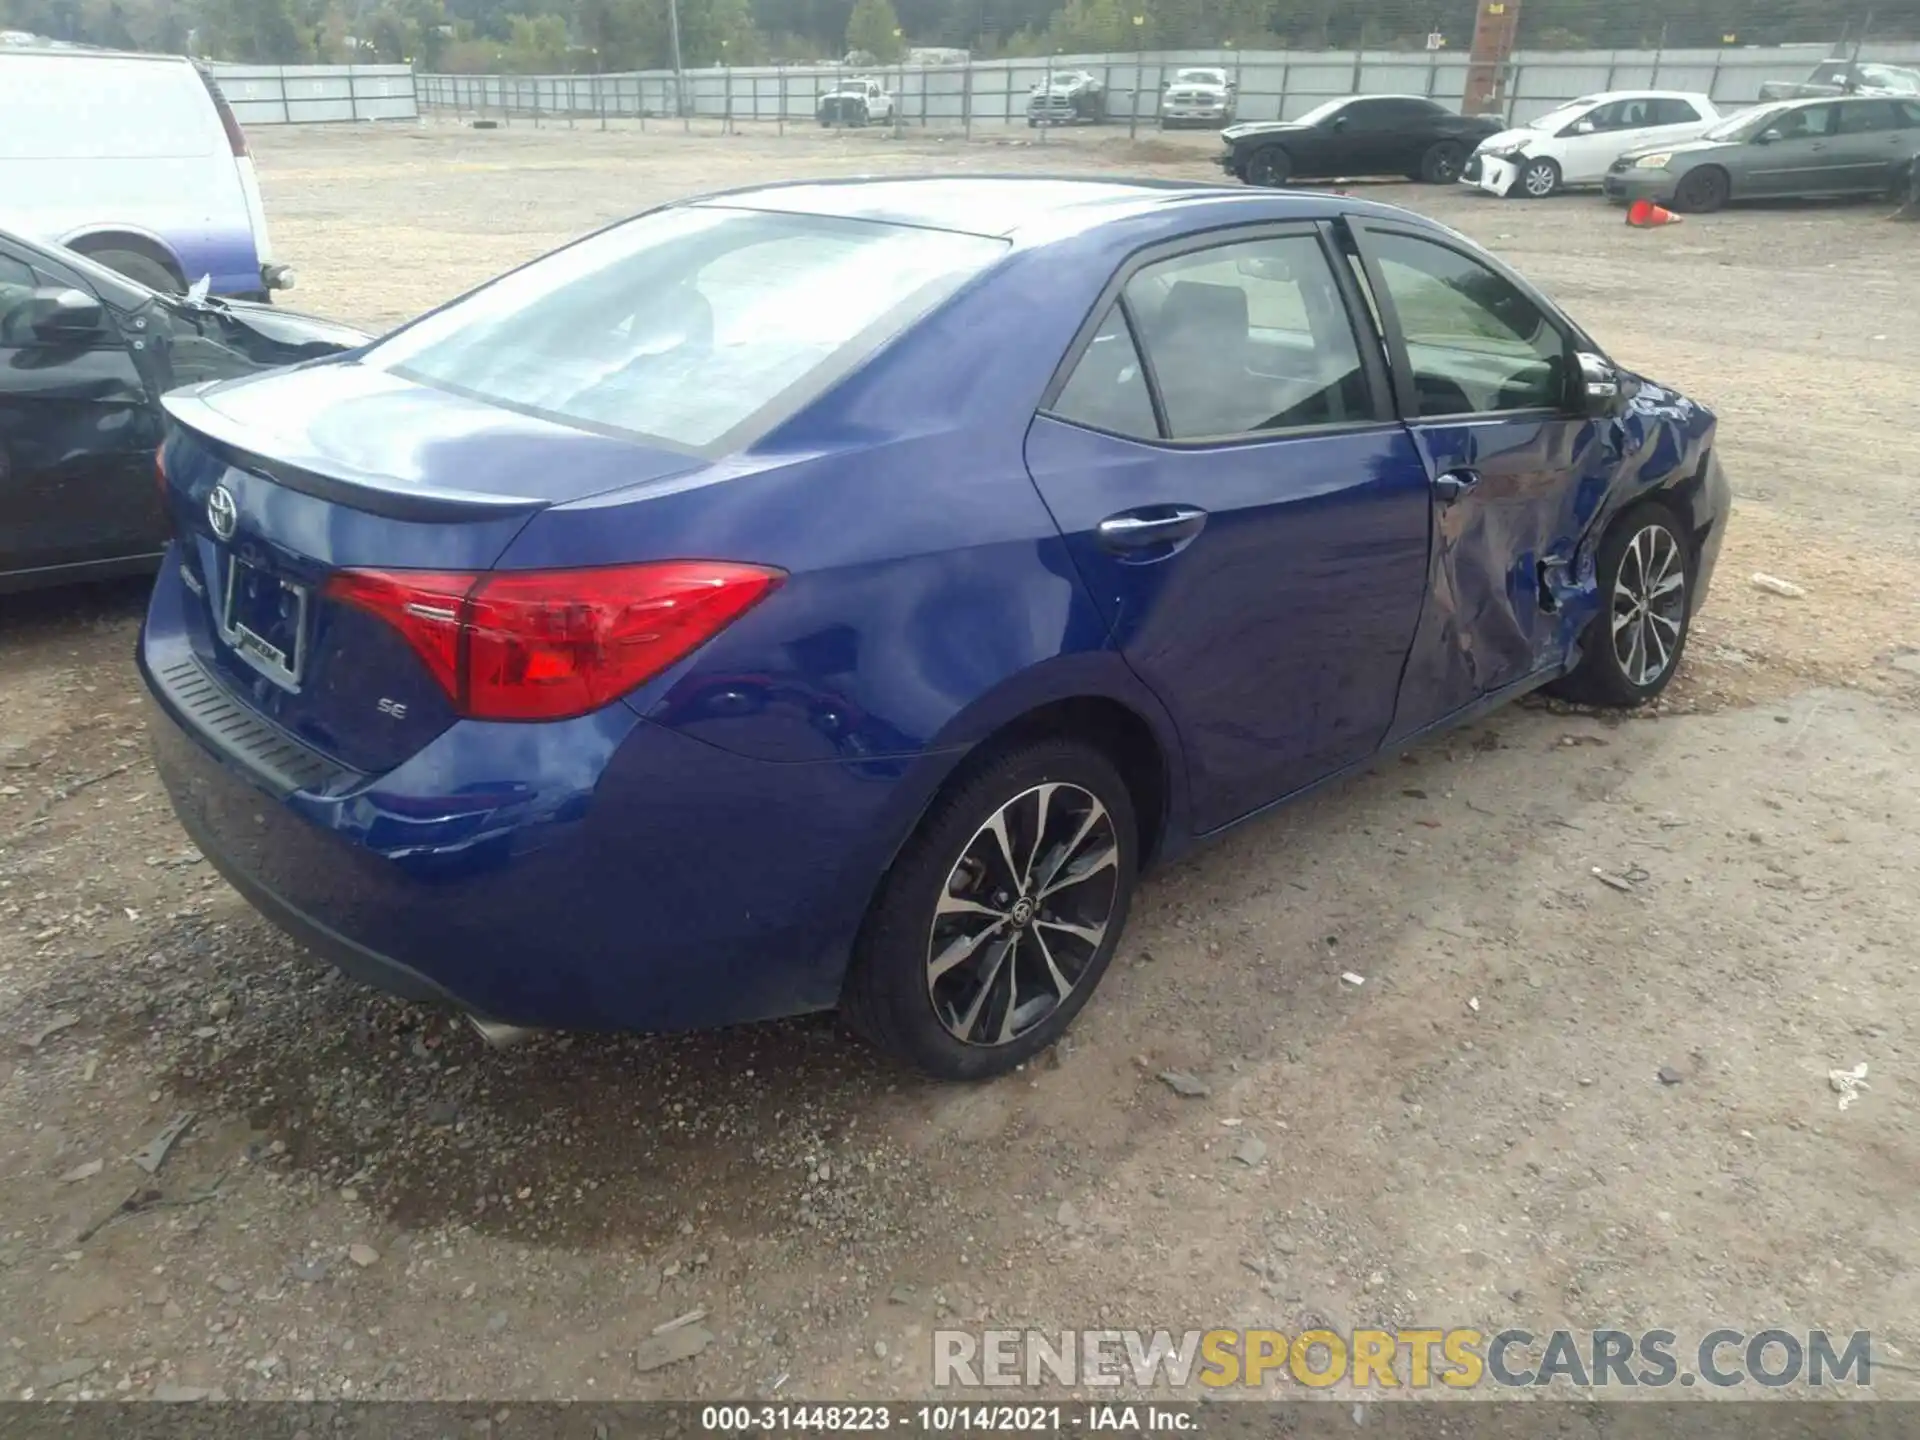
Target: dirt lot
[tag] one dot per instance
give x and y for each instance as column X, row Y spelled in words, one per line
column 1478, row 1135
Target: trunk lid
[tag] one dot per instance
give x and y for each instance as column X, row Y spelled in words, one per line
column 276, row 482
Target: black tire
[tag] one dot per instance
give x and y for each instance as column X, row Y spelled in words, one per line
column 860, row 115
column 1441, row 164
column 890, row 992
column 1032, row 124
column 143, row 268
column 1270, row 167
column 1604, row 676
column 1703, row 191
column 1538, row 178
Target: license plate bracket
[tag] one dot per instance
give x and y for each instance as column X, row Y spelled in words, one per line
column 264, row 619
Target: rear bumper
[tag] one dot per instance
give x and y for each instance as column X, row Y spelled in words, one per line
column 603, row 873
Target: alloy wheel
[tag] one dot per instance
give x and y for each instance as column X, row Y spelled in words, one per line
column 1649, row 605
column 1539, row 180
column 1023, row 912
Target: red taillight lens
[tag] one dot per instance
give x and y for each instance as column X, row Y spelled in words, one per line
column 160, row 487
column 552, row 644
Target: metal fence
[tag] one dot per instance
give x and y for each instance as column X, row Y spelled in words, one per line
column 1271, row 84
column 299, row 94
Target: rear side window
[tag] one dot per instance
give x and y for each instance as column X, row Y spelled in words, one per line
column 1865, row 116
column 1673, row 112
column 76, row 107
column 701, row 326
column 1387, row 114
column 1108, row 388
column 1249, row 338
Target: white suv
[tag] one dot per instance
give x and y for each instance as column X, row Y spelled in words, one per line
column 1575, row 144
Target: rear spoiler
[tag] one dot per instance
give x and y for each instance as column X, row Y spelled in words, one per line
column 326, row 478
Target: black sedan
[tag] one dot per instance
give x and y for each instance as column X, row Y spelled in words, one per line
column 1363, row 135
column 85, row 354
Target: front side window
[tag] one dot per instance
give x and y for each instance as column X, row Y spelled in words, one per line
column 693, row 325
column 1809, row 122
column 1620, row 115
column 1475, row 342
column 1249, row 338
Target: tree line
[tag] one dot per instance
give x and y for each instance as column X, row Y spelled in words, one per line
column 550, row 36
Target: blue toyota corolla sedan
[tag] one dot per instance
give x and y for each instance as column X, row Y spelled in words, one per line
column 833, row 595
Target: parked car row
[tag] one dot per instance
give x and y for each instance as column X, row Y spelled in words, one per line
column 1671, row 147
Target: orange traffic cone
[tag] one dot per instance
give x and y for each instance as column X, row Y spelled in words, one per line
column 1644, row 215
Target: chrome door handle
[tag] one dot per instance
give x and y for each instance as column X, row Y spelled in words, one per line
column 1155, row 525
column 1450, row 486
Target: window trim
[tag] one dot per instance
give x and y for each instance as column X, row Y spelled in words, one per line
column 1571, row 335
column 1372, row 361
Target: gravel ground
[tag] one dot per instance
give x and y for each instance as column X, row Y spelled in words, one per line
column 1553, row 1102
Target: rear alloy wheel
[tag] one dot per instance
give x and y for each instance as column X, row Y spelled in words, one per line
column 1441, row 164
column 1000, row 916
column 1270, row 167
column 1702, row 191
column 1634, row 645
column 1539, row 178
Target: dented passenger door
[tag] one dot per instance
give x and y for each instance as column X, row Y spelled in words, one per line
column 1488, row 383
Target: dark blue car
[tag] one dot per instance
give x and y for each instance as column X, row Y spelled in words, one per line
column 833, row 595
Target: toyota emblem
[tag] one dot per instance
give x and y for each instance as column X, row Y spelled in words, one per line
column 222, row 514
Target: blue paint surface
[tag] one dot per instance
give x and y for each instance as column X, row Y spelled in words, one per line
column 705, row 849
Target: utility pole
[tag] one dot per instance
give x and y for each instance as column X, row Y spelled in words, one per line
column 679, row 71
column 1495, row 27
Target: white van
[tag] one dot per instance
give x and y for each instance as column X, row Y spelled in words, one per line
column 137, row 161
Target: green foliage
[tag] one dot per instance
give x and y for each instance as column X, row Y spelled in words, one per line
column 875, row 27
column 610, row 35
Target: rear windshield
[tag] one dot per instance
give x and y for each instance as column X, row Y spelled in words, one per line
column 703, row 326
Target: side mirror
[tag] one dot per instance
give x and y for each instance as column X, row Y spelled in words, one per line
column 57, row 312
column 1339, row 122
column 1583, row 127
column 1602, row 390
column 1768, row 136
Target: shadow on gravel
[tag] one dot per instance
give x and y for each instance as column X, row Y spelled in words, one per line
column 37, row 616
column 568, row 1139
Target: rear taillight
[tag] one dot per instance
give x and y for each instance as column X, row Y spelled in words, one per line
column 552, row 644
column 160, row 486
column 229, row 122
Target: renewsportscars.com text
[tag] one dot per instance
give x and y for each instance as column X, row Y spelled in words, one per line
column 1413, row 1359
